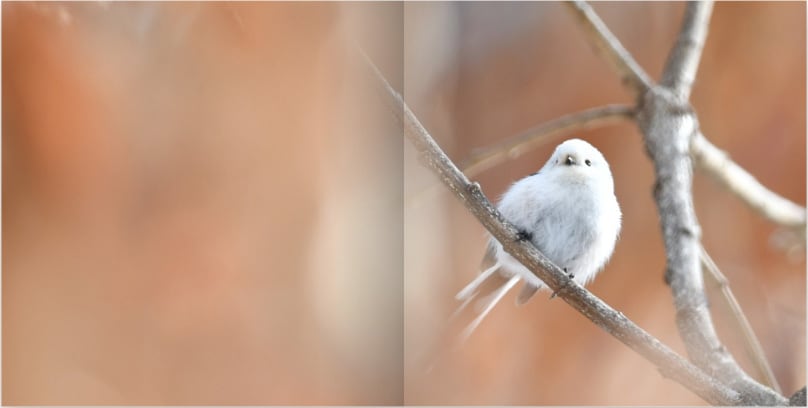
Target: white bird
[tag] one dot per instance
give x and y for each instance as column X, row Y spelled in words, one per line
column 568, row 210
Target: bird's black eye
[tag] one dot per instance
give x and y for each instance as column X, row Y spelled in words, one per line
column 569, row 161
column 588, row 162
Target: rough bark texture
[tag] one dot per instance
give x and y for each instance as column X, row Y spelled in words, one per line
column 668, row 124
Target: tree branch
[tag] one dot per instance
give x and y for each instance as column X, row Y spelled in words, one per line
column 798, row 399
column 515, row 146
column 718, row 165
column 668, row 127
column 680, row 70
column 613, row 322
column 668, row 124
column 752, row 343
column 610, row 48
column 708, row 157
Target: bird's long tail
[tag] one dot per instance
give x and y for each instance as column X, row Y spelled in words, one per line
column 485, row 291
column 488, row 289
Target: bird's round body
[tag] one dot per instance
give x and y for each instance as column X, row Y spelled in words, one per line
column 568, row 210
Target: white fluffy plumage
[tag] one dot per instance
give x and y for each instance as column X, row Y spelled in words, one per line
column 568, row 210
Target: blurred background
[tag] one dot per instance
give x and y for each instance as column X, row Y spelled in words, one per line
column 477, row 73
column 201, row 205
column 207, row 203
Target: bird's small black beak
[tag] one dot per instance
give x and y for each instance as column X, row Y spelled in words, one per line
column 569, row 161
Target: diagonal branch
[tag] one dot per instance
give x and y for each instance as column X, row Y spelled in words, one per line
column 718, row 165
column 515, row 146
column 753, row 346
column 680, row 71
column 613, row 322
column 610, row 48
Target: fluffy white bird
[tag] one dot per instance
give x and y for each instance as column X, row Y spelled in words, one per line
column 568, row 210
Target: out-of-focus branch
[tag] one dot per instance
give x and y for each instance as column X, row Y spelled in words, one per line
column 515, row 146
column 615, row 323
column 718, row 165
column 668, row 124
column 709, row 158
column 752, row 343
column 680, row 70
column 610, row 48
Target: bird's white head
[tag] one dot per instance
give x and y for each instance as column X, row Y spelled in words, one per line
column 576, row 161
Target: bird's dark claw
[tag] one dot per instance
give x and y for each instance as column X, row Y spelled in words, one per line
column 569, row 275
column 524, row 235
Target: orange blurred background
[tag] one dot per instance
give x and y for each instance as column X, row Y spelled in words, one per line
column 200, row 205
column 205, row 203
column 476, row 73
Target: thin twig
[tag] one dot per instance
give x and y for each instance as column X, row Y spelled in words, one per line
column 515, row 146
column 752, row 343
column 718, row 165
column 680, row 70
column 613, row 322
column 607, row 45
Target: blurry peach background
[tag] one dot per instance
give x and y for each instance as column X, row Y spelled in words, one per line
column 478, row 73
column 201, row 205
column 205, row 203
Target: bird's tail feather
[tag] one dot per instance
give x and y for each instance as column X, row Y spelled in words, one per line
column 467, row 292
column 488, row 303
column 485, row 291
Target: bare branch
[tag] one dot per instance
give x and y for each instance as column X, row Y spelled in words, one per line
column 683, row 62
column 718, row 165
column 515, row 146
column 707, row 156
column 613, row 322
column 610, row 48
column 752, row 343
column 798, row 399
column 668, row 124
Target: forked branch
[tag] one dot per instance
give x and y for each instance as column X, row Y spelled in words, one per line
column 709, row 158
column 668, row 124
column 613, row 322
